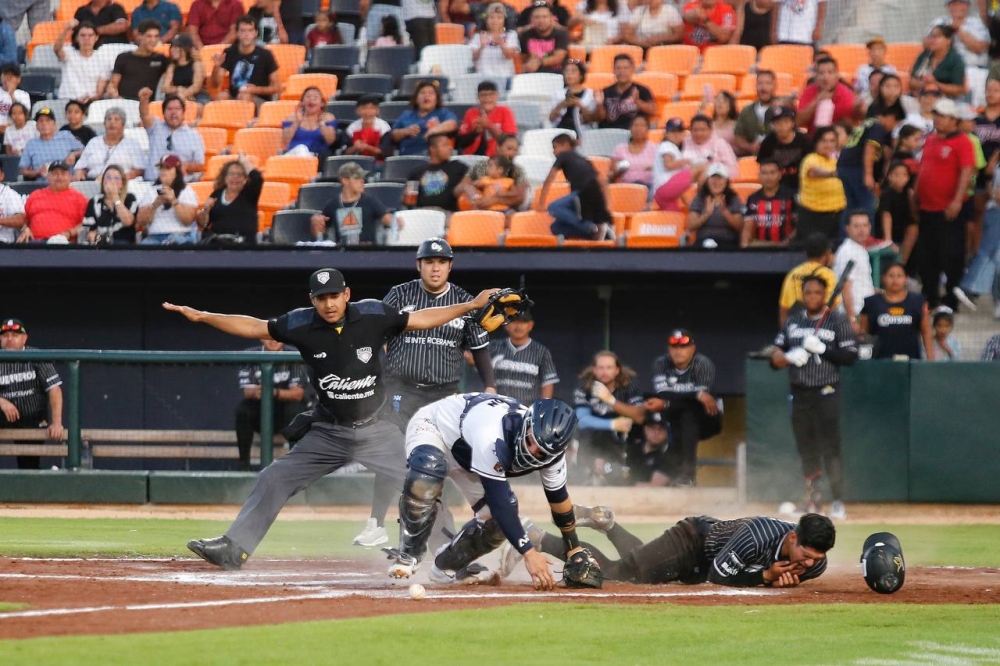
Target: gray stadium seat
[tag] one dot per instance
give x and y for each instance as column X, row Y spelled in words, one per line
column 332, row 165
column 11, row 165
column 356, row 85
column 398, row 167
column 339, row 59
column 389, row 194
column 391, row 111
column 292, row 226
column 410, row 81
column 315, row 196
column 396, row 61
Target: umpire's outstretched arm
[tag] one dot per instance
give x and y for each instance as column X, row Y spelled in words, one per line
column 241, row 325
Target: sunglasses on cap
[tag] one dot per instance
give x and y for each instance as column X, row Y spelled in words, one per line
column 679, row 340
column 11, row 328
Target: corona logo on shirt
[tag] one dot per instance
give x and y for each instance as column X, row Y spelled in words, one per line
column 896, row 316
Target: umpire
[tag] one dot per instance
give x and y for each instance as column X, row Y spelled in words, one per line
column 340, row 342
column 815, row 349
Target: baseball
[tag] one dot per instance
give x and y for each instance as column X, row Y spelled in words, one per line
column 786, row 508
column 417, row 592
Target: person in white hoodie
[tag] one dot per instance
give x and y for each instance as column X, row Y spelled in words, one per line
column 859, row 284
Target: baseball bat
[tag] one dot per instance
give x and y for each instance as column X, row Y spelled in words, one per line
column 835, row 294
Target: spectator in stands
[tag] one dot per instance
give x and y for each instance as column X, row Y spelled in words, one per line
column 109, row 19
column 826, row 101
column 583, row 213
column 110, row 216
column 703, row 145
column 984, row 270
column 85, row 75
column 516, row 197
column 923, row 118
column 141, row 68
column 270, row 29
column 724, row 115
column 601, row 21
column 947, row 347
column 495, row 49
column 482, row 125
column 185, row 75
column 353, row 218
column 862, row 161
column 991, row 351
column 624, row 99
column 166, row 14
column 49, row 146
column 799, row 22
column 392, row 34
column 898, row 318
column 11, row 212
column 940, row 64
column 653, row 23
column 890, row 94
column 574, row 106
column 496, row 182
column 55, row 213
column 608, row 402
column 214, row 21
column 544, row 45
column 310, row 126
column 21, row 130
column 821, row 192
column 75, row 115
column 292, row 14
column 973, row 37
column 672, row 172
column 10, row 79
column 818, row 261
column 646, row 459
column 229, row 215
column 8, row 42
column 946, row 171
column 754, row 19
column 896, row 218
column 252, row 69
column 876, row 61
column 419, row 17
column 716, row 214
column 425, row 118
column 559, row 14
column 859, row 283
column 753, row 124
column 171, row 136
column 638, row 153
column 112, row 148
column 364, row 135
column 786, row 145
column 289, row 389
column 325, row 31
column 438, row 181
column 167, row 212
column 24, row 384
column 708, row 22
column 769, row 218
column 457, row 11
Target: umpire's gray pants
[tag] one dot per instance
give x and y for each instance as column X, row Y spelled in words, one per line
column 325, row 448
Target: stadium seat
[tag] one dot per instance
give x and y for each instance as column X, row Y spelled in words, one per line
column 317, row 195
column 43, row 57
column 348, row 32
column 792, row 59
column 449, row 33
column 391, row 111
column 528, row 115
column 273, row 114
column 535, row 167
column 25, row 188
column 680, row 60
column 291, row 169
column 658, row 223
column 88, row 188
column 903, row 55
column 389, row 194
column 191, row 110
column 392, row 60
column 447, row 59
column 289, row 227
column 649, row 241
column 67, row 8
column 538, row 84
column 683, row 110
column 264, row 142
column 216, row 140
column 140, row 136
column 97, row 109
column 214, row 165
column 589, row 244
column 465, row 87
column 749, row 171
column 356, row 85
column 398, row 167
column 745, row 189
column 663, row 85
column 296, row 84
column 231, row 115
column 539, row 141
column 577, row 52
column 627, row 198
column 10, row 165
column 344, row 111
column 40, row 85
column 849, row 57
column 556, row 190
column 409, row 83
column 416, row 226
column 735, row 59
column 331, row 167
column 696, row 85
column 44, row 33
column 470, row 160
column 602, row 141
column 290, row 58
column 207, row 53
column 601, row 164
column 203, row 190
column 599, row 80
column 783, row 86
column 476, row 228
column 531, row 229
column 602, row 58
column 338, row 59
column 273, row 197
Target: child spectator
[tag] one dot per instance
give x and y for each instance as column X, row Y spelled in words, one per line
column 391, row 34
column 365, row 134
column 10, row 79
column 19, row 132
column 593, row 221
column 672, row 172
column 75, row 115
column 946, row 345
column 876, row 61
column 910, row 140
column 270, row 29
column 495, row 182
column 325, row 32
column 896, row 218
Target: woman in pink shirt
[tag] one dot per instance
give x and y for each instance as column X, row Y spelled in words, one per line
column 639, row 152
column 704, row 146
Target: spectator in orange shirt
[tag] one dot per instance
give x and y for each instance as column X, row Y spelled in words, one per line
column 56, row 211
column 477, row 135
column 827, row 100
column 708, row 22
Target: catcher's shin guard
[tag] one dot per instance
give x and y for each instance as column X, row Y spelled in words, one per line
column 418, row 504
column 474, row 540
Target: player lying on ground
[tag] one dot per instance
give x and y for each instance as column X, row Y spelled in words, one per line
column 480, row 440
column 745, row 552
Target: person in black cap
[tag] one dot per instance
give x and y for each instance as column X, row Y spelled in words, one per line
column 340, row 342
column 484, row 124
column 30, row 393
column 647, row 459
column 684, row 381
column 48, row 147
column 786, row 145
column 523, row 366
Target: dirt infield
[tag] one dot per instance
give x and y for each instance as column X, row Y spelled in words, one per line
column 102, row 596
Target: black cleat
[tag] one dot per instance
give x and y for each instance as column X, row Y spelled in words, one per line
column 219, row 551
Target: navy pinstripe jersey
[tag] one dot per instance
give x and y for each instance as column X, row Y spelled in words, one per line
column 741, row 549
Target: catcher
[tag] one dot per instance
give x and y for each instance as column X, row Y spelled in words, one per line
column 745, row 552
column 481, row 440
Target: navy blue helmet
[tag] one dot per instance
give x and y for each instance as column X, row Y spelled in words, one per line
column 551, row 424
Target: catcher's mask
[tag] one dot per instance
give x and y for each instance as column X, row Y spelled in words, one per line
column 882, row 563
column 551, row 424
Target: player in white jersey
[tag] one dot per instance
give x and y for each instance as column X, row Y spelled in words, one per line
column 480, row 440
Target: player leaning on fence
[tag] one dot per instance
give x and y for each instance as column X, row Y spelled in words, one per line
column 340, row 342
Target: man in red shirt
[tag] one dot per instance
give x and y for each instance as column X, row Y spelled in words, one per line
column 946, row 169
column 708, row 22
column 827, row 100
column 477, row 135
column 54, row 211
column 214, row 21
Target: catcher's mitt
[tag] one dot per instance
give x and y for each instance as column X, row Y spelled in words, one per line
column 582, row 571
column 503, row 306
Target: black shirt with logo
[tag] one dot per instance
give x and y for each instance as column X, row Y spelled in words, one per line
column 619, row 106
column 252, row 68
column 26, row 384
column 897, row 325
column 139, row 72
column 787, row 155
column 343, row 358
column 438, row 183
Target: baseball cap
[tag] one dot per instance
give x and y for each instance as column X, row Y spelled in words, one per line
column 779, row 112
column 654, row 419
column 170, row 161
column 13, row 326
column 967, row 112
column 57, row 165
column 369, row 98
column 351, row 170
column 717, row 169
column 45, row 112
column 182, row 41
column 674, row 125
column 875, row 41
column 523, row 315
column 680, row 337
column 11, row 68
column 326, row 281
column 487, row 86
column 946, row 107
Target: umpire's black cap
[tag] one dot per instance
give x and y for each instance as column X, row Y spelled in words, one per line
column 326, row 281
column 435, row 247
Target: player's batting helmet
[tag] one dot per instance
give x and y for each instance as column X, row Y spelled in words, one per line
column 551, row 423
column 882, row 563
column 435, row 247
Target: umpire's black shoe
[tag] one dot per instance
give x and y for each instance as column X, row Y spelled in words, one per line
column 219, row 551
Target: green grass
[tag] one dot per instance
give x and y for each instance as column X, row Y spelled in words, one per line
column 564, row 634
column 6, row 607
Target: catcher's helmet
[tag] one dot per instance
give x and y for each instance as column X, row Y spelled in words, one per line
column 882, row 563
column 435, row 247
column 551, row 423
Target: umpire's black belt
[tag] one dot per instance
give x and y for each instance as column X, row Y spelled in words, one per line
column 325, row 415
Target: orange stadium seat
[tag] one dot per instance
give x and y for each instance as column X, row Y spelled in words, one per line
column 792, row 59
column 903, row 54
column 231, row 115
column 273, row 197
column 745, row 189
column 296, row 84
column 45, row 33
column 531, row 229
column 264, row 142
column 656, row 135
column 627, row 198
column 678, row 59
column 577, row 52
column 294, row 170
column 290, row 58
column 735, row 59
column 556, row 190
column 203, row 190
column 272, row 114
column 599, row 80
column 601, row 164
column 449, row 33
column 602, row 58
column 215, row 164
column 207, row 53
column 476, row 228
column 783, row 85
column 683, row 110
column 658, row 223
column 589, row 244
column 749, row 171
column 216, row 140
column 191, row 110
column 696, row 85
column 68, row 7
column 849, row 57
column 663, row 85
